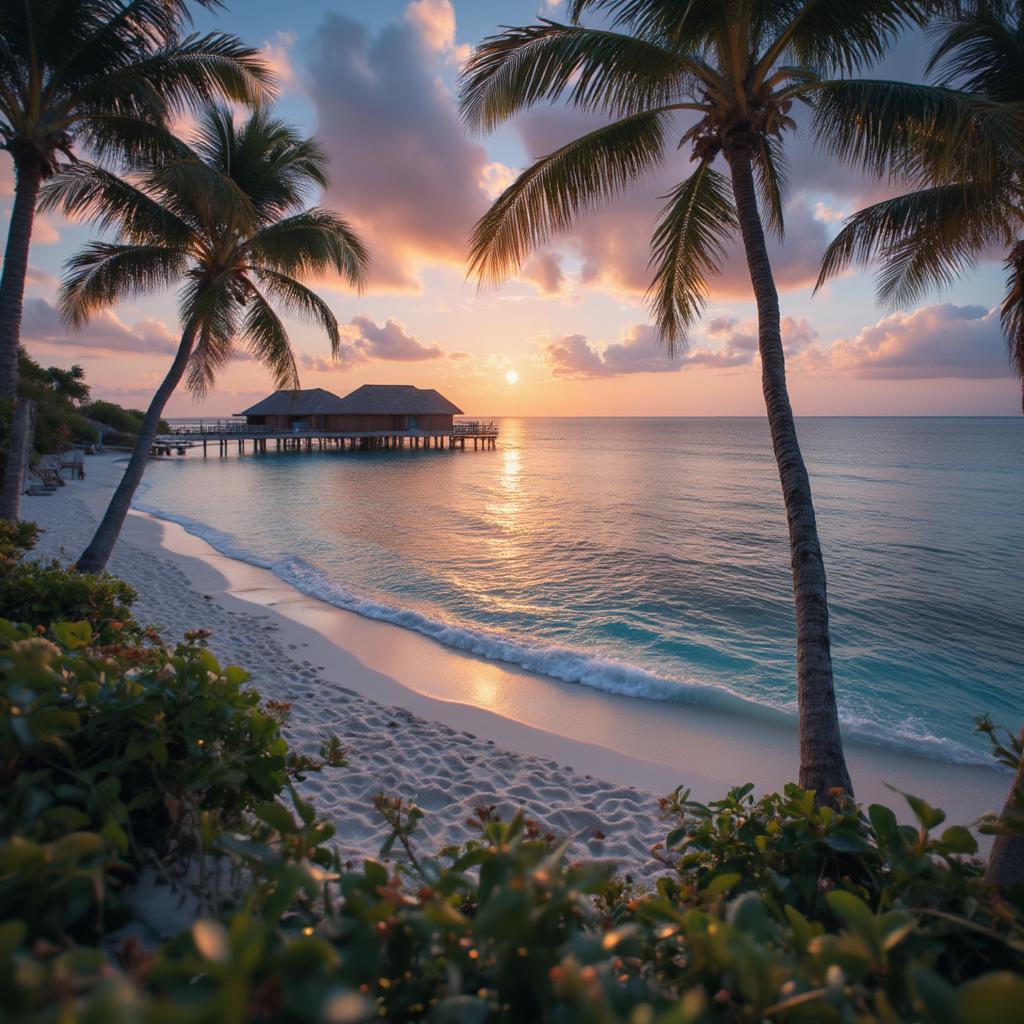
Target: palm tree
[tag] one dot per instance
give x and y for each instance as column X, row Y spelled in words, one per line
column 105, row 75
column 960, row 143
column 734, row 68
column 229, row 220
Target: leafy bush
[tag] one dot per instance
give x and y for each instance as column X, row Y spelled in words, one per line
column 39, row 593
column 16, row 538
column 126, row 423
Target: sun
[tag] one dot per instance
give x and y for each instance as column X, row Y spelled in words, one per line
column 512, row 376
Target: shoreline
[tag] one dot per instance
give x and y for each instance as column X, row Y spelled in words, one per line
column 641, row 747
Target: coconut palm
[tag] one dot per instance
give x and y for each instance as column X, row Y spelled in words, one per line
column 103, row 75
column 732, row 69
column 229, row 222
column 960, row 144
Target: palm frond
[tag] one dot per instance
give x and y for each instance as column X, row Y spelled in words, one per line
column 211, row 308
column 301, row 301
column 266, row 338
column 594, row 69
column 135, row 141
column 202, row 195
column 982, row 54
column 772, row 182
column 84, row 191
column 687, row 248
column 188, row 73
column 271, row 161
column 1012, row 311
column 548, row 196
column 311, row 242
column 836, row 36
column 896, row 128
column 923, row 239
column 103, row 274
column 682, row 25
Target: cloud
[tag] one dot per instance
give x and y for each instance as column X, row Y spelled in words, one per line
column 544, row 269
column 435, row 22
column 403, row 169
column 277, row 55
column 639, row 352
column 733, row 345
column 936, row 341
column 41, row 323
column 364, row 341
column 36, row 275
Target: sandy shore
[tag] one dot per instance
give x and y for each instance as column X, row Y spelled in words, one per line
column 452, row 731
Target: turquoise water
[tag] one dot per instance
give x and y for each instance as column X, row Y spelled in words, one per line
column 649, row 556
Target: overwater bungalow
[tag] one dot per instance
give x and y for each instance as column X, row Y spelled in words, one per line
column 368, row 409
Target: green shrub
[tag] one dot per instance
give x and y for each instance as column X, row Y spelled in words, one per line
column 506, row 929
column 111, row 756
column 39, row 593
column 16, row 538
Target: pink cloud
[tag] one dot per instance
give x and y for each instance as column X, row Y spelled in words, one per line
column 733, row 346
column 364, row 341
column 403, row 169
column 544, row 269
column 41, row 324
column 936, row 341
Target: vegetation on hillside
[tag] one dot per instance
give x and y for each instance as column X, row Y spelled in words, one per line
column 65, row 415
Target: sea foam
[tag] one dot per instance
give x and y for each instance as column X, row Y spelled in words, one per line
column 561, row 663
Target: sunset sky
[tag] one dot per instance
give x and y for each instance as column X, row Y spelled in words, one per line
column 375, row 80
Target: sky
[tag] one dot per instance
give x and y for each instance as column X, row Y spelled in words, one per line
column 376, row 81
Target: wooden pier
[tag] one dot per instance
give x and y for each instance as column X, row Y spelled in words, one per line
column 224, row 437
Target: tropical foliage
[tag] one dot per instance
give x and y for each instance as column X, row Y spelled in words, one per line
column 960, row 144
column 228, row 222
column 64, row 414
column 105, row 76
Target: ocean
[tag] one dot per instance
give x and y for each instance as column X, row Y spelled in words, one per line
column 649, row 557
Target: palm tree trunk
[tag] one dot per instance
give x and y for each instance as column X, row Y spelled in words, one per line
column 29, row 176
column 12, row 281
column 17, row 458
column 822, row 764
column 1006, row 861
column 97, row 554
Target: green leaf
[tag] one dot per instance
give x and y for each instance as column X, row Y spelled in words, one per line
column 936, row 994
column 72, row 635
column 854, row 912
column 721, row 884
column 991, row 999
column 846, row 840
column 957, row 839
column 235, row 675
column 277, row 817
column 928, row 816
column 883, row 820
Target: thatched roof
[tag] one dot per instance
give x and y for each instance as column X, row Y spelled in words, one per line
column 309, row 402
column 368, row 400
column 396, row 400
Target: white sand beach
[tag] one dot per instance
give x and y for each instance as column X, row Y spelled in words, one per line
column 452, row 731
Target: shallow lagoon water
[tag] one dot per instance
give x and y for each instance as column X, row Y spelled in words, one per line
column 649, row 556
